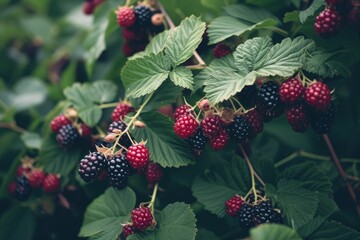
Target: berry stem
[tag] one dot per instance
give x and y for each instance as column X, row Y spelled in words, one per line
column 131, row 122
column 341, row 171
column 153, row 198
column 108, row 105
column 252, row 172
column 13, row 126
column 237, row 101
column 172, row 26
column 233, row 105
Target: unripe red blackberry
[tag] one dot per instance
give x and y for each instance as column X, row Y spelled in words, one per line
column 88, row 7
column 36, row 178
column 121, row 110
column 297, row 118
column 327, row 23
column 240, row 129
column 233, row 205
column 58, row 122
column 91, row 166
column 141, row 218
column 255, row 119
column 128, row 34
column 220, row 140
column 127, row 230
column 186, row 126
column 138, row 156
column 22, row 169
column 221, row 50
column 211, row 125
column 197, row 141
column 291, row 91
column 153, row 173
column 183, row 110
column 125, row 16
column 85, row 130
column 51, row 183
column 318, row 96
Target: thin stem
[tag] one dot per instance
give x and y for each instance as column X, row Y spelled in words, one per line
column 276, row 30
column 153, row 198
column 108, row 105
column 13, row 127
column 233, row 105
column 239, row 103
column 131, row 122
column 341, row 171
column 196, row 67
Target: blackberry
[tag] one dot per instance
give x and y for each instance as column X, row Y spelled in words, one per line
column 297, row 118
column 118, row 171
column 211, row 125
column 198, row 141
column 240, row 129
column 255, row 120
column 91, row 166
column 124, row 140
column 269, row 101
column 264, row 213
column 246, row 215
column 67, row 135
column 221, row 50
column 322, row 122
column 328, row 22
column 143, row 15
column 23, row 189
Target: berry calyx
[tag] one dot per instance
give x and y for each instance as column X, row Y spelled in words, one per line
column 240, row 129
column 220, row 140
column 255, row 120
column 138, row 156
column 51, row 183
column 141, row 218
column 211, row 125
column 36, row 178
column 154, row 173
column 233, row 205
column 291, row 91
column 67, row 135
column 91, row 166
column 221, row 50
column 327, row 23
column 197, row 141
column 297, row 118
column 118, row 171
column 127, row 230
column 58, row 122
column 125, row 16
column 183, row 110
column 186, row 126
column 121, row 110
column 318, row 96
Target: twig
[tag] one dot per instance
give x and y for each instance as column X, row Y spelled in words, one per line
column 341, row 171
column 250, row 166
column 13, row 127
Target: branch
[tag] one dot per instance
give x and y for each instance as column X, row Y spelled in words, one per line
column 13, row 127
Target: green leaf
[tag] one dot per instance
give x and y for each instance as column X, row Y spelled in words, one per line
column 57, row 159
column 322, row 64
column 142, row 76
column 248, row 13
column 176, row 222
column 104, row 216
column 311, row 227
column 273, row 232
column 327, row 206
column 184, row 39
column 297, row 203
column 224, row 27
column 316, row 4
column 204, row 234
column 105, row 91
column 223, row 84
column 90, row 115
column 183, row 77
column 334, row 231
column 222, row 182
column 80, row 95
column 32, row 140
column 165, row 147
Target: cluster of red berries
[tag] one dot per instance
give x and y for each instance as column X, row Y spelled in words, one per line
column 28, row 178
column 117, row 156
column 137, row 23
column 336, row 14
column 89, row 6
column 221, row 49
column 252, row 213
column 141, row 218
column 68, row 130
column 307, row 105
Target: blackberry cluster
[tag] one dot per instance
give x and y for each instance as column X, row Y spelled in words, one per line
column 118, row 171
column 91, row 166
column 137, row 22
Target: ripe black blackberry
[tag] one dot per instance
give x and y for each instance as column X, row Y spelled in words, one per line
column 263, row 212
column 143, row 15
column 240, row 129
column 118, row 171
column 23, row 189
column 91, row 166
column 67, row 135
column 322, row 122
column 124, row 140
column 268, row 100
column 246, row 215
column 198, row 141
